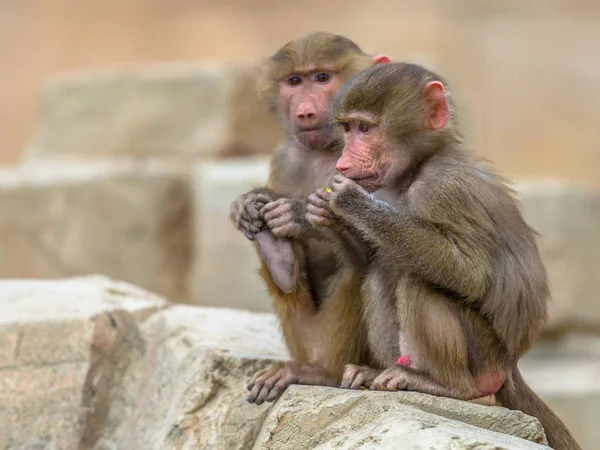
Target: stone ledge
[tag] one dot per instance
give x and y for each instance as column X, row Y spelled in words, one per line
column 55, row 337
column 565, row 375
column 182, row 110
column 126, row 371
column 567, row 217
column 316, row 417
column 187, row 388
column 129, row 220
column 225, row 269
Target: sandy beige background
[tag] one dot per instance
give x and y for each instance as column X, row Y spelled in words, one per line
column 528, row 72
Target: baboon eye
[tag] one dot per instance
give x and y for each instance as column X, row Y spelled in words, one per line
column 323, row 77
column 294, row 80
column 364, row 127
column 346, row 127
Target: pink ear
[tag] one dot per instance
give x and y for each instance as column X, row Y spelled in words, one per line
column 381, row 59
column 440, row 111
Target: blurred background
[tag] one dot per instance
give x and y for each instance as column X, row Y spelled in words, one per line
column 128, row 127
column 527, row 70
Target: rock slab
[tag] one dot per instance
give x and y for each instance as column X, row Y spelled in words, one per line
column 225, row 268
column 181, row 110
column 186, row 387
column 55, row 338
column 91, row 363
column 565, row 374
column 567, row 217
column 328, row 418
column 128, row 220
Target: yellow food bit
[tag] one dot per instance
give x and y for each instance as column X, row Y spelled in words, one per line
column 328, row 189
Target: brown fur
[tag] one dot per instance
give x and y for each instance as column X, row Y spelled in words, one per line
column 318, row 304
column 456, row 278
column 318, row 50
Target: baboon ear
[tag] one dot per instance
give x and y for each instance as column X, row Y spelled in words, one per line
column 439, row 114
column 381, row 59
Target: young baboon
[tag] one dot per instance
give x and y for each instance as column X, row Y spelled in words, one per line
column 456, row 291
column 314, row 293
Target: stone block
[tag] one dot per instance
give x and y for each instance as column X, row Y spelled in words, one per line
column 128, row 220
column 567, row 217
column 226, row 263
column 179, row 110
column 56, row 338
column 326, row 418
column 186, row 386
column 565, row 374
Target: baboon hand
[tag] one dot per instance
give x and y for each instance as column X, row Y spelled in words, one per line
column 286, row 217
column 357, row 377
column 318, row 209
column 269, row 384
column 245, row 213
column 391, row 379
column 346, row 195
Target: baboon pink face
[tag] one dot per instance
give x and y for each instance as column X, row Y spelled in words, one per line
column 371, row 155
column 305, row 102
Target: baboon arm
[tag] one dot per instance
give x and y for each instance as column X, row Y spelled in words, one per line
column 446, row 252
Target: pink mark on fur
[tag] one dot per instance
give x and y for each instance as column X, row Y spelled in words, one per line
column 404, row 361
column 489, row 383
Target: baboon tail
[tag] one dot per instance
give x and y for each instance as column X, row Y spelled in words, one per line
column 516, row 394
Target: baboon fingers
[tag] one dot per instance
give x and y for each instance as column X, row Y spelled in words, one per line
column 259, row 390
column 323, row 194
column 278, row 219
column 250, row 228
column 348, row 380
column 253, row 204
column 317, row 200
column 339, row 179
column 243, row 223
column 282, row 204
column 380, row 382
column 254, row 393
column 278, row 389
column 350, row 373
column 320, row 220
column 287, row 230
column 261, row 198
column 266, row 389
column 358, row 381
column 320, row 211
column 257, row 375
column 252, row 211
column 247, row 233
column 393, row 384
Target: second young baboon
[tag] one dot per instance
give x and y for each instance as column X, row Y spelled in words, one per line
column 456, row 291
column 315, row 295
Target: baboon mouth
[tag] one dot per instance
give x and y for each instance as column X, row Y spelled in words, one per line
column 308, row 130
column 365, row 178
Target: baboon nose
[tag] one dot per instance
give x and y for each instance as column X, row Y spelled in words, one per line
column 342, row 165
column 305, row 112
column 305, row 115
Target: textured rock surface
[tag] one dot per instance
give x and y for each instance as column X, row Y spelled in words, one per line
column 565, row 374
column 568, row 219
column 128, row 220
column 226, row 264
column 182, row 110
column 309, row 417
column 186, row 387
column 56, row 342
column 93, row 363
